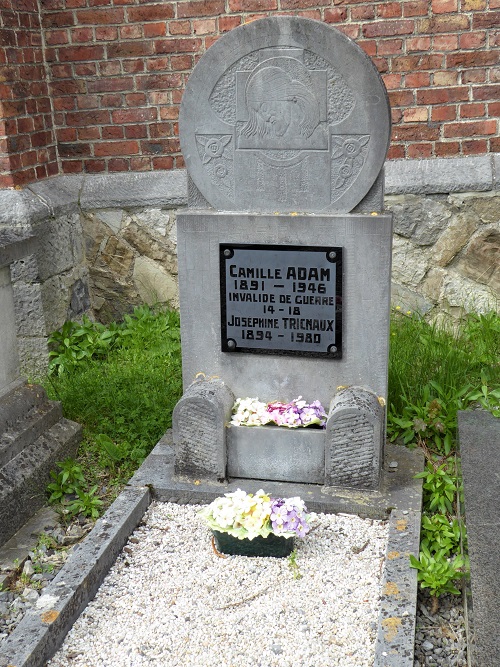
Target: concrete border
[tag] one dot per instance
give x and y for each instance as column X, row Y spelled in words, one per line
column 168, row 189
column 43, row 629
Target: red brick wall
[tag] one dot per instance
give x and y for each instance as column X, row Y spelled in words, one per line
column 27, row 141
column 118, row 68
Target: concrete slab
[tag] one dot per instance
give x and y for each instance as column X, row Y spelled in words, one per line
column 479, row 442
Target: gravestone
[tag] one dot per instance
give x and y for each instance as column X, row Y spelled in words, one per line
column 284, row 255
column 33, row 433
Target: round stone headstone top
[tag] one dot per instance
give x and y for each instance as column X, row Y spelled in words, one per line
column 284, row 114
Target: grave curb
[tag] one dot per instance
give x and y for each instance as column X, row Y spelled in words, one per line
column 34, row 641
column 43, row 629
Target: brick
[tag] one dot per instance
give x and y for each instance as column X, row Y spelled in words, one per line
column 351, row 31
column 445, row 78
column 335, row 14
column 363, row 12
column 58, row 20
column 489, row 19
column 444, row 6
column 74, row 150
column 227, row 23
column 472, row 40
column 494, row 109
column 387, row 47
column 110, row 85
column 401, row 98
column 389, row 10
column 443, row 95
column 130, row 49
column 474, row 76
column 416, row 115
column 75, row 53
column 136, row 132
column 475, row 110
column 118, row 164
column 161, row 12
column 179, row 162
column 72, row 166
column 472, row 59
column 111, row 100
column 263, row 5
column 87, row 133
column 475, row 146
column 392, row 81
column 417, row 80
column 369, row 46
column 169, row 113
column 25, row 125
column 158, row 81
column 61, row 71
column 116, row 148
column 196, row 8
column 470, row 129
column 166, row 162
column 494, row 74
column 131, row 31
column 491, row 92
column 156, row 64
column 63, row 103
column 100, row 16
column 473, row 5
column 210, row 40
column 87, row 101
column 440, row 24
column 396, row 116
column 133, row 115
column 160, row 146
column 179, row 27
column 140, row 164
column 395, row 152
column 177, row 45
column 434, row 61
column 133, row 66
column 106, row 34
column 420, row 150
column 94, row 166
column 445, row 42
column 155, row 30
column 161, row 130
column 135, row 99
column 109, row 68
column 204, row 26
column 416, row 133
column 388, row 28
column 54, row 37
column 81, row 118
column 418, row 8
column 112, row 132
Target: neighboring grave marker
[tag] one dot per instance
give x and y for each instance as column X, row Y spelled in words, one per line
column 284, row 127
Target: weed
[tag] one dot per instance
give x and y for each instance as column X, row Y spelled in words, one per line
column 67, row 481
column 293, row 565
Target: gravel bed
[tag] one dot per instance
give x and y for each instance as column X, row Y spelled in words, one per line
column 162, row 546
column 169, row 599
column 440, row 639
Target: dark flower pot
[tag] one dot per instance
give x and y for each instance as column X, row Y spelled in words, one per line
column 274, row 546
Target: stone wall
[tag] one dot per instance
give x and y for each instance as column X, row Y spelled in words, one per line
column 107, row 242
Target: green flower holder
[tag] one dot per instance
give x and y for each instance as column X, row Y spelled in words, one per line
column 273, row 546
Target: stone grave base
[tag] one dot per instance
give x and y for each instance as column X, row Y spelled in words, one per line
column 43, row 629
column 33, row 436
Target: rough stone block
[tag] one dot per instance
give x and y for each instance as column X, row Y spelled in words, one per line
column 30, row 318
column 199, row 427
column 354, row 439
column 9, row 361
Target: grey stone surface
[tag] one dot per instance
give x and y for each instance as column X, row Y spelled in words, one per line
column 284, row 114
column 439, row 175
column 9, row 360
column 479, row 440
column 157, row 189
column 396, row 629
column 355, row 433
column 199, row 426
column 60, row 194
column 366, row 241
column 25, row 477
column 60, row 244
column 42, row 630
column 282, row 454
column 496, row 171
column 421, row 220
column 30, row 318
column 20, row 208
column 15, row 244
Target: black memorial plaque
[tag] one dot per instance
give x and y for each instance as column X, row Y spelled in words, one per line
column 281, row 299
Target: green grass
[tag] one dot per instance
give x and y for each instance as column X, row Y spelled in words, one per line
column 126, row 392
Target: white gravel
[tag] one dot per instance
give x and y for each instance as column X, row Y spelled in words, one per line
column 170, row 601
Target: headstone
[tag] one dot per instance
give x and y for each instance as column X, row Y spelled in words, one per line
column 285, row 255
